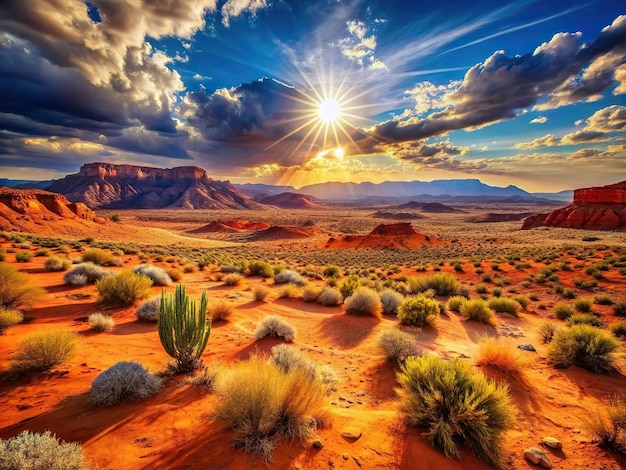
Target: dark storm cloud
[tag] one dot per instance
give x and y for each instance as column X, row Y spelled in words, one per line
column 503, row 86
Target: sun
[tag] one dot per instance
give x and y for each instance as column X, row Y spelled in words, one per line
column 329, row 111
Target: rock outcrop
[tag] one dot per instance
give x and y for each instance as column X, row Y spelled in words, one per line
column 292, row 201
column 104, row 185
column 602, row 208
column 400, row 236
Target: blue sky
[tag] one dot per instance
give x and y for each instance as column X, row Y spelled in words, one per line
column 530, row 93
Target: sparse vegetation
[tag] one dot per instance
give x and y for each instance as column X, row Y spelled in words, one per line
column 261, row 268
column 441, row 283
column 330, row 296
column 43, row 350
column 84, row 273
column 40, row 451
column 584, row 319
column 310, row 293
column 123, row 288
column 364, row 301
column 583, row 305
column 232, row 279
column 159, row 276
column 617, row 328
column 503, row 356
column 260, row 292
column 349, row 285
column 23, row 257
column 149, row 310
column 425, row 380
column 619, row 308
column 54, row 263
column 608, row 424
column 547, row 330
column 477, row 309
column 125, row 380
column 398, row 345
column 390, row 300
column 288, row 276
column 563, row 311
column 9, row 317
column 100, row 257
column 504, row 305
column 418, row 311
column 273, row 325
column 100, row 322
column 455, row 302
column 584, row 345
column 221, row 310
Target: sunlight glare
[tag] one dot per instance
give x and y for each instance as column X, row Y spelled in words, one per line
column 329, row 111
column 339, row 153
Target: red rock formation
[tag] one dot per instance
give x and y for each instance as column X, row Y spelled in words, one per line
column 601, row 208
column 292, row 201
column 400, row 236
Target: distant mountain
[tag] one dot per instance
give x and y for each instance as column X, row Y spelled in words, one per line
column 258, row 190
column 566, row 195
column 434, row 207
column 103, row 185
column 25, row 184
column 291, row 201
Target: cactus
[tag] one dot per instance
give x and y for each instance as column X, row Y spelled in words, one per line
column 184, row 333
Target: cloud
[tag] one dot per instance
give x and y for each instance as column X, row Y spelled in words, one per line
column 360, row 45
column 234, row 8
column 539, row 120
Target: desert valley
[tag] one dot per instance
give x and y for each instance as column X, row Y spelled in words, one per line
column 326, row 316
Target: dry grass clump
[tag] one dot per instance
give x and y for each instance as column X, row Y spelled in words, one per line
column 398, row 345
column 289, row 358
column 232, row 279
column 289, row 291
column 101, row 257
column 100, row 322
column 608, row 424
column 617, row 328
column 261, row 268
column 418, row 311
column 174, row 274
column 584, row 319
column 504, row 305
column 43, row 350
column 441, row 283
column 23, row 257
column 124, row 288
column 563, row 311
column 260, row 292
column 16, row 290
column 477, row 309
column 310, row 293
column 273, row 325
column 84, row 273
column 220, row 310
column 455, row 302
column 457, row 406
column 149, row 310
column 330, row 296
column 288, row 276
column 584, row 345
column 583, row 305
column 547, row 330
column 503, row 356
column 159, row 276
column 9, row 317
column 125, row 380
column 619, row 308
column 40, row 451
column 364, row 301
column 54, row 263
column 262, row 403
column 391, row 300
column 208, row 376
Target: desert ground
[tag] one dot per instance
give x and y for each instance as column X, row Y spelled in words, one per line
column 176, row 428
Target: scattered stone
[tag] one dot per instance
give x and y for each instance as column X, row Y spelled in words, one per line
column 345, row 456
column 512, row 331
column 351, row 433
column 331, row 464
column 347, row 400
column 537, row 456
column 526, row 347
column 552, row 442
column 361, row 394
column 317, row 444
column 357, row 461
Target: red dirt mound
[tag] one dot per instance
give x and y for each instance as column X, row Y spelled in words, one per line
column 386, row 236
column 602, row 208
column 278, row 232
column 292, row 201
column 231, row 226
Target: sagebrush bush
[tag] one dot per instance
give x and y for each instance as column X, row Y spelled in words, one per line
column 16, row 289
column 608, row 424
column 260, row 292
column 9, row 317
column 477, row 309
column 441, row 283
column 261, row 268
column 547, row 330
column 23, row 257
column 221, row 310
column 618, row 328
column 563, row 311
column 310, row 293
column 288, row 276
column 619, row 308
column 418, row 311
column 273, row 325
column 84, row 273
column 125, row 380
column 504, row 305
column 101, row 257
column 456, row 405
column 364, row 301
column 43, row 350
column 100, row 322
column 288, row 358
column 149, row 310
column 159, row 276
column 289, row 291
column 54, row 263
column 584, row 345
column 583, row 305
column 40, row 451
column 454, row 303
column 349, row 285
column 331, row 271
column 330, row 296
column 124, row 288
column 504, row 356
column 391, row 300
column 584, row 319
column 398, row 345
column 232, row 279
column 262, row 403
column 522, row 300
column 603, row 299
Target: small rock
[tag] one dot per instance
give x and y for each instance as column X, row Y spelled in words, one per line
column 317, row 444
column 345, row 456
column 526, row 347
column 351, row 433
column 537, row 456
column 552, row 442
column 347, row 400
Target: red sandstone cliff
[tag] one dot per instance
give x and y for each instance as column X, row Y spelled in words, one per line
column 602, row 208
column 400, row 236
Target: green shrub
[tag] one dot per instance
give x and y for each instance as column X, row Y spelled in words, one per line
column 125, row 380
column 23, row 257
column 583, row 305
column 563, row 311
column 618, row 328
column 99, row 322
column 587, row 284
column 54, row 263
column 101, row 257
column 481, row 289
column 619, row 308
column 273, row 325
column 547, row 330
column 16, row 290
column 441, row 283
column 261, row 268
column 44, row 349
column 390, row 300
column 289, row 277
column 124, row 288
column 585, row 346
column 504, row 305
column 568, row 293
column 477, row 309
column 149, row 310
column 584, row 318
column 497, row 291
column 84, row 273
column 455, row 302
column 364, row 301
column 603, row 299
column 330, row 296
column 397, row 345
column 9, row 317
column 418, row 311
column 262, row 403
column 42, row 252
column 608, row 424
column 158, row 275
column 456, row 405
column 349, row 285
column 522, row 300
column 260, row 292
column 331, row 271
column 183, row 331
column 35, row 451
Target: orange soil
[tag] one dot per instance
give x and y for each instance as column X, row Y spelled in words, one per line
column 174, row 429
